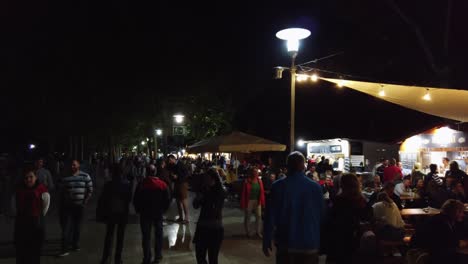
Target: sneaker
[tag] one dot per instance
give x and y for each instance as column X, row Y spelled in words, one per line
column 63, row 254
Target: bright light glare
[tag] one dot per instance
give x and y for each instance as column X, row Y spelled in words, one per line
column 300, row 143
column 341, row 83
column 301, row 77
column 427, row 96
column 382, row 93
column 293, row 45
column 443, row 136
column 143, row 143
column 292, row 36
column 314, row 77
column 32, row 146
column 179, row 118
column 293, row 33
column 159, row 132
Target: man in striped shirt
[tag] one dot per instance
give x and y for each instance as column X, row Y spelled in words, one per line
column 76, row 191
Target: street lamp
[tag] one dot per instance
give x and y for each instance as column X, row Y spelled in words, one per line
column 159, row 132
column 179, row 119
column 292, row 37
column 300, row 143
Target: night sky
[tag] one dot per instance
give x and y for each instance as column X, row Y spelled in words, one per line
column 83, row 61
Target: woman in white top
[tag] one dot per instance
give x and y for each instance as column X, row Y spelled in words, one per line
column 389, row 224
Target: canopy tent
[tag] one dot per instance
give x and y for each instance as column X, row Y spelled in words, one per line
column 447, row 103
column 235, row 142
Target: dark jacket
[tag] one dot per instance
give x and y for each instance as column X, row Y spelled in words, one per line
column 211, row 202
column 342, row 226
column 438, row 237
column 113, row 204
column 152, row 198
column 180, row 170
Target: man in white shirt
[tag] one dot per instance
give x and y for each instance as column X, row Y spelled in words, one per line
column 403, row 187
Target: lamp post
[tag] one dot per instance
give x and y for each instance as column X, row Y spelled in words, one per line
column 292, row 37
column 178, row 129
column 158, row 132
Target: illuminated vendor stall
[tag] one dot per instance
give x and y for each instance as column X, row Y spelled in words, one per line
column 434, row 145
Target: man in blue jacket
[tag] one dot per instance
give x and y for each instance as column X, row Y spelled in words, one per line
column 294, row 215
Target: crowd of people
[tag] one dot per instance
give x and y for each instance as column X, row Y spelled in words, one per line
column 305, row 208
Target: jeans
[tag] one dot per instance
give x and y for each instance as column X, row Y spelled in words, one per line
column 71, row 218
column 146, row 223
column 208, row 240
column 29, row 238
column 255, row 207
column 110, row 227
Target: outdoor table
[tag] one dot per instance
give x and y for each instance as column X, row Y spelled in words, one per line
column 419, row 211
column 408, row 196
column 463, row 251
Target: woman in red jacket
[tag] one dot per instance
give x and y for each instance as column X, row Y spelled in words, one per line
column 252, row 200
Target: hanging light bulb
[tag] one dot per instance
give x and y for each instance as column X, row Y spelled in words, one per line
column 382, row 91
column 341, row 83
column 314, row 77
column 427, row 96
column 301, row 77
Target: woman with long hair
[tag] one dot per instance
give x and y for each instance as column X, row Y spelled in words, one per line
column 389, row 224
column 342, row 229
column 209, row 233
column 113, row 210
column 252, row 200
column 443, row 234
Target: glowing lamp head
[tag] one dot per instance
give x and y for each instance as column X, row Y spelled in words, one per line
column 341, row 83
column 292, row 37
column 382, row 93
column 32, row 146
column 314, row 77
column 427, row 96
column 158, row 132
column 300, row 143
column 143, row 142
column 179, row 118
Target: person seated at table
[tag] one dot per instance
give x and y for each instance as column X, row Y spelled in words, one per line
column 420, row 190
column 389, row 224
column 377, row 184
column 389, row 188
column 459, row 192
column 403, row 187
column 441, row 234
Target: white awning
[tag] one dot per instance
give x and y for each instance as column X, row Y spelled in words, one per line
column 447, row 103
